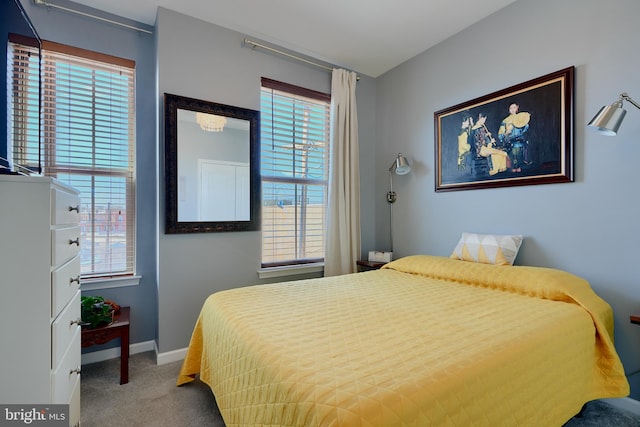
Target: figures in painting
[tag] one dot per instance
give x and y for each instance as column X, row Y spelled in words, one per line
column 477, row 145
column 512, row 136
column 485, row 145
column 464, row 136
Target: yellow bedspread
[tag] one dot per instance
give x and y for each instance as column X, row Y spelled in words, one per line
column 425, row 341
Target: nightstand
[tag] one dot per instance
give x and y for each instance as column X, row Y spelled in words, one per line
column 364, row 265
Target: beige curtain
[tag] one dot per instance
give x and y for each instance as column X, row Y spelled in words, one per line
column 342, row 243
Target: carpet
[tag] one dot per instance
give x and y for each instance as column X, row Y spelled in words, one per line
column 152, row 399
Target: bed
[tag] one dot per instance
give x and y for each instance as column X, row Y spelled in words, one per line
column 423, row 341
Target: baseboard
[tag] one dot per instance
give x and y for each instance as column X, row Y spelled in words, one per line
column 625, row 403
column 170, row 356
column 113, row 353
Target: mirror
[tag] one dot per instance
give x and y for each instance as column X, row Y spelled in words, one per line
column 212, row 161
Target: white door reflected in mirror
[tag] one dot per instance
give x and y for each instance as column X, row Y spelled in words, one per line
column 213, row 169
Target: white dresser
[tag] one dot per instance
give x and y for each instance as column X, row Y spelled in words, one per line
column 39, row 293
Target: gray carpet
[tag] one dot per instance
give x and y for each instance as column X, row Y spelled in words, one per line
column 152, row 399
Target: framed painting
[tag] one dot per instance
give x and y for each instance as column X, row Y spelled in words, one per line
column 521, row 135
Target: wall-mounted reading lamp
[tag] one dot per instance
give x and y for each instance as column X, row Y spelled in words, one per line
column 400, row 166
column 610, row 117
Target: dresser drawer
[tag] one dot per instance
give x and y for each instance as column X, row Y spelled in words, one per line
column 66, row 375
column 74, row 404
column 64, row 329
column 65, row 244
column 65, row 207
column 65, row 281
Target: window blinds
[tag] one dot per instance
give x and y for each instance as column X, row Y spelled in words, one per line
column 24, row 112
column 88, row 129
column 294, row 168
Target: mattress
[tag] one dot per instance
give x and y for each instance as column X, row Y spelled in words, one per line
column 424, row 341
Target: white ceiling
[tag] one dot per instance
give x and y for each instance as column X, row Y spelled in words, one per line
column 367, row 36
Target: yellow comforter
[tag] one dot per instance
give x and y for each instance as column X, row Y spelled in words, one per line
column 426, row 341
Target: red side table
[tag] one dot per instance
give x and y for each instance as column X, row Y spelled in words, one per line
column 118, row 329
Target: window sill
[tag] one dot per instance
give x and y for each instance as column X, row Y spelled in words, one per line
column 107, row 283
column 290, row 270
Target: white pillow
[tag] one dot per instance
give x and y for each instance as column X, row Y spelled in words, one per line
column 488, row 248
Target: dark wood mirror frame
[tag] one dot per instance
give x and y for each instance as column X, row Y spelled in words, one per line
column 172, row 225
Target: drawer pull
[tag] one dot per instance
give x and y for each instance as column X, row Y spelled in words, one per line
column 78, row 322
column 75, row 371
column 74, row 279
column 75, row 242
column 74, row 208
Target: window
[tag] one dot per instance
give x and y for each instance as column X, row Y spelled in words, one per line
column 23, row 73
column 295, row 169
column 88, row 129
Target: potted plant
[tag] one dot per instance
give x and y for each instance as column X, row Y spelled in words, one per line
column 96, row 311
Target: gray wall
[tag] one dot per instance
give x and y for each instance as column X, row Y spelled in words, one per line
column 589, row 227
column 74, row 30
column 205, row 61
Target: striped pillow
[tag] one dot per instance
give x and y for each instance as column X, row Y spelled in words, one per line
column 488, row 248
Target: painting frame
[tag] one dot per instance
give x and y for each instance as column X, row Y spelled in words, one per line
column 520, row 135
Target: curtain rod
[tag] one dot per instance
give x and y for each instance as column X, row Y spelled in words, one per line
column 279, row 52
column 77, row 12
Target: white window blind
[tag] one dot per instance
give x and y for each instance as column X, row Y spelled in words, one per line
column 24, row 95
column 294, row 170
column 88, row 128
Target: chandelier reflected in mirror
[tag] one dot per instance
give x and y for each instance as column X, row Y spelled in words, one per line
column 211, row 122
